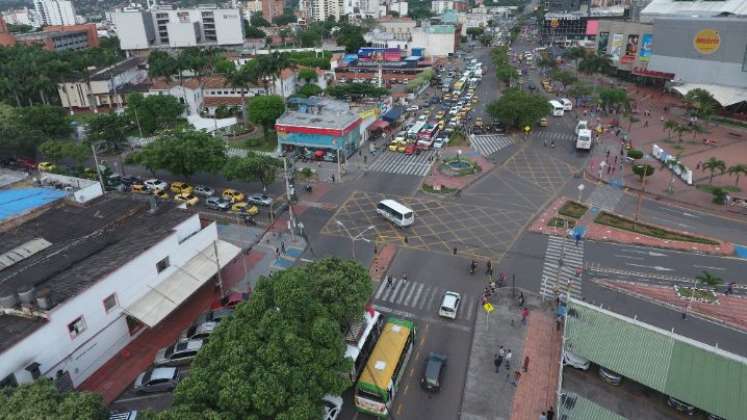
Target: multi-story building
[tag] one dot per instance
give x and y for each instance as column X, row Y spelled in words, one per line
column 440, row 6
column 167, row 27
column 107, row 87
column 55, row 12
column 325, row 125
column 78, row 283
column 55, row 38
column 24, row 16
column 272, row 9
column 435, row 40
column 319, row 10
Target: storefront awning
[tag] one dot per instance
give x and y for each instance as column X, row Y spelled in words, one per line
column 164, row 298
column 378, row 125
column 724, row 95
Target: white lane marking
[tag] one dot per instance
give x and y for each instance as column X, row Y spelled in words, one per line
column 630, row 257
column 655, row 267
column 421, row 303
column 708, row 267
column 381, row 288
column 406, row 302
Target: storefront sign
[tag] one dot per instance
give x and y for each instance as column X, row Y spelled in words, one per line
column 646, row 43
column 707, row 41
column 616, row 48
column 681, row 171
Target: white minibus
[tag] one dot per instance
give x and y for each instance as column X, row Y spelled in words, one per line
column 557, row 108
column 396, row 213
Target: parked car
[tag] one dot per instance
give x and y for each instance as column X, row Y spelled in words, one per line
column 244, row 208
column 180, row 187
column 233, row 196
column 681, row 406
column 440, row 142
column 410, row 149
column 178, row 354
column 609, row 376
column 450, row 305
column 163, row 195
column 124, row 415
column 576, row 361
column 433, row 370
column 155, row 183
column 139, row 188
column 217, row 203
column 203, row 190
column 198, row 331
column 332, row 406
column 261, row 199
column 188, row 198
column 230, row 300
column 47, row 166
column 158, row 379
column 214, row 315
column 129, row 181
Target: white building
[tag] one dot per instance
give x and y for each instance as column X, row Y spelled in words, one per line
column 319, row 10
column 80, row 283
column 108, row 86
column 436, row 40
column 23, row 16
column 188, row 93
column 166, row 27
column 400, row 7
column 55, row 12
column 440, row 6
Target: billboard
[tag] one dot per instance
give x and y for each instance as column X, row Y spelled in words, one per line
column 707, row 41
column 380, row 54
column 646, row 43
column 604, row 39
column 631, row 49
column 616, row 46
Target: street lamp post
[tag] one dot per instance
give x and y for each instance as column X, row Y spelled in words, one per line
column 358, row 237
column 580, row 191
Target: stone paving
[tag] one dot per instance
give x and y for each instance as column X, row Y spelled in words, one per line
column 459, row 182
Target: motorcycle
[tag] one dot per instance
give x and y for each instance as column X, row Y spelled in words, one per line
column 473, row 267
column 249, row 220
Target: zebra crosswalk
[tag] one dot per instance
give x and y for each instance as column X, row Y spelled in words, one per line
column 605, row 197
column 421, row 297
column 564, row 261
column 550, row 136
column 400, row 163
column 487, row 144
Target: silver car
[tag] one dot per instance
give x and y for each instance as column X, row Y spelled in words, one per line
column 178, row 354
column 203, row 190
column 217, row 203
column 260, row 199
column 159, row 379
column 198, row 331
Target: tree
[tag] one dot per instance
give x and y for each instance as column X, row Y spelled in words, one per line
column 545, row 61
column 307, row 75
column 77, row 152
column 680, row 129
column 506, row 73
column 474, row 32
column 264, row 110
column 670, row 126
column 575, row 54
column 614, row 98
column 154, row 112
column 517, row 108
column 707, row 279
column 184, row 153
column 737, row 170
column 52, row 150
column 41, row 400
column 284, row 34
column 111, row 128
column 351, row 37
column 253, row 167
column 594, row 63
column 580, row 89
column 643, row 170
column 485, row 39
column 563, row 76
column 712, row 165
column 237, row 78
column 702, row 103
column 309, row 38
column 257, row 20
column 356, row 90
column 309, row 89
column 17, row 139
column 254, row 32
column 280, row 352
column 284, row 19
column 51, row 120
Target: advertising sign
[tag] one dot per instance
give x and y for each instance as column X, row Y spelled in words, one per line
column 616, row 47
column 604, row 39
column 707, row 41
column 646, row 43
column 631, row 49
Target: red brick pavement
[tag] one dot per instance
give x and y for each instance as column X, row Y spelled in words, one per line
column 730, row 310
column 381, row 262
column 540, row 223
column 537, row 388
column 459, row 182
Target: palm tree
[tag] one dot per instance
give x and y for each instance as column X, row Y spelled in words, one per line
column 737, row 170
column 697, row 129
column 680, row 130
column 670, row 126
column 713, row 164
column 707, row 279
column 575, row 54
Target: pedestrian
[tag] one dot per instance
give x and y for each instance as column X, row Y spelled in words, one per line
column 501, row 352
column 615, row 160
column 497, row 361
column 282, row 247
column 550, row 414
column 455, row 250
column 662, row 119
column 508, row 359
column 522, row 300
column 609, row 168
column 404, row 277
column 365, row 159
column 388, row 280
column 645, row 123
column 543, row 416
column 489, row 268
column 277, row 253
column 608, row 153
column 517, row 376
column 524, row 315
column 526, row 364
column 698, row 165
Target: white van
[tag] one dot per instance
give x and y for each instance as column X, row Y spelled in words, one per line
column 396, row 213
column 450, row 305
column 583, row 140
column 567, row 104
column 581, row 125
column 557, row 108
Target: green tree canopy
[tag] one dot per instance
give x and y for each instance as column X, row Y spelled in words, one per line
column 309, row 89
column 614, row 98
column 41, row 400
column 112, row 128
column 307, row 74
column 475, row 32
column 702, row 102
column 254, row 167
column 282, row 351
column 517, row 108
column 356, row 90
column 264, row 110
column 284, row 19
column 563, row 76
column 17, row 139
column 257, row 20
column 154, row 112
column 184, row 153
column 52, row 150
column 254, row 32
column 52, row 121
column 351, row 37
column 712, row 165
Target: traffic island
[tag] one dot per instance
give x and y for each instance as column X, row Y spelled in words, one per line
column 456, row 171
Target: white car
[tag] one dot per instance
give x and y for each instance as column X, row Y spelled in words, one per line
column 412, row 108
column 332, row 407
column 440, row 142
column 156, row 184
column 576, row 361
column 450, row 305
column 203, row 190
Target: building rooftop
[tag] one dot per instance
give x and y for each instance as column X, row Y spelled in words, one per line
column 47, row 34
column 119, row 68
column 18, row 201
column 324, row 119
column 66, row 249
column 14, row 328
column 697, row 8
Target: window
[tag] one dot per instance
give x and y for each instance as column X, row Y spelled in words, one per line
column 163, row 264
column 76, row 327
column 110, row 302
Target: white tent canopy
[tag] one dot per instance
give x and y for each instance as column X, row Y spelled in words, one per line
column 725, row 95
column 210, row 124
column 164, row 298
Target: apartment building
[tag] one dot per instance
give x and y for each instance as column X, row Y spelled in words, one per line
column 55, row 12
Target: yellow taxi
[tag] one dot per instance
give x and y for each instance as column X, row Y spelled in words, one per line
column 181, row 187
column 440, row 115
column 475, row 101
column 233, row 196
column 478, row 122
column 397, row 144
column 186, row 197
column 47, row 166
column 401, row 147
column 543, row 122
column 466, row 108
column 441, row 124
column 244, row 208
column 140, row 188
column 161, row 194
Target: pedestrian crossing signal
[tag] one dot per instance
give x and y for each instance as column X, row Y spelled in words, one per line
column 488, row 307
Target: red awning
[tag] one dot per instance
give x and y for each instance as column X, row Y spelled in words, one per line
column 378, row 125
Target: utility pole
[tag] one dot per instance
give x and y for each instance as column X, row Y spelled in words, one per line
column 217, row 264
column 339, row 166
column 98, row 170
column 288, row 197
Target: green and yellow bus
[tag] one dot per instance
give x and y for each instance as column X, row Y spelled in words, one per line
column 378, row 383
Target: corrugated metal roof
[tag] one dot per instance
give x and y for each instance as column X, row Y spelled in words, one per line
column 698, row 8
column 577, row 407
column 637, row 353
column 708, row 380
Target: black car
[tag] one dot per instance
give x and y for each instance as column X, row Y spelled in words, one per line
column 435, row 364
column 129, row 180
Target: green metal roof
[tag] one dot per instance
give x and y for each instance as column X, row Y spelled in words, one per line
column 441, row 29
column 583, row 409
column 707, row 377
column 449, row 16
